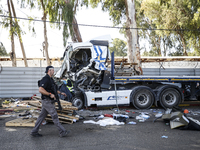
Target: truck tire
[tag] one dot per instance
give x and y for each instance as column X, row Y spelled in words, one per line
column 169, row 98
column 77, row 102
column 142, row 97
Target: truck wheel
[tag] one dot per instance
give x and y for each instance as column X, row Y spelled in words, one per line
column 77, row 102
column 142, row 98
column 169, row 98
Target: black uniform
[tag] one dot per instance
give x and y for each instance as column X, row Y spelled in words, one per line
column 48, row 107
column 47, row 82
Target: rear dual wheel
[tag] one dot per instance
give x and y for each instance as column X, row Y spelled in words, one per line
column 169, row 98
column 142, row 98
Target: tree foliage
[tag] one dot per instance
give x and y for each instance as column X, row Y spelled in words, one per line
column 181, row 16
column 119, row 47
column 3, row 50
column 11, row 23
column 5, row 23
column 59, row 11
column 116, row 9
column 65, row 11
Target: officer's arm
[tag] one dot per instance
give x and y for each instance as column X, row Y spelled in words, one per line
column 44, row 92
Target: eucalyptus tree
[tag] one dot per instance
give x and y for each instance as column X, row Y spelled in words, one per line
column 18, row 32
column 158, row 45
column 179, row 17
column 41, row 5
column 65, row 11
column 11, row 23
column 12, row 53
column 45, row 6
column 123, row 12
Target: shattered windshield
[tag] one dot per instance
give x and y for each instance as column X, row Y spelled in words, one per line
column 79, row 59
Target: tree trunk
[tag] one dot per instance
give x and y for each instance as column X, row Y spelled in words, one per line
column 12, row 54
column 159, row 47
column 19, row 35
column 132, row 36
column 76, row 35
column 45, row 34
column 164, row 46
column 184, row 46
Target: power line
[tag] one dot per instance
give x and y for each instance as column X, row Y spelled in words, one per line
column 99, row 26
column 39, row 23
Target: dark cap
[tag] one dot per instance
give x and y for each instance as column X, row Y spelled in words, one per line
column 47, row 68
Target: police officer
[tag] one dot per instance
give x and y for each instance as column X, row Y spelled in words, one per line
column 48, row 106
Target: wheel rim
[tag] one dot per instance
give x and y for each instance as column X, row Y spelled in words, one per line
column 78, row 102
column 169, row 98
column 142, row 99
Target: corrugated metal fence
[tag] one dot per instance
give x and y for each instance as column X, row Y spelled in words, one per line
column 18, row 82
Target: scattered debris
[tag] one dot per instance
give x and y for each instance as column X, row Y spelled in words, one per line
column 26, row 112
column 142, row 117
column 164, row 137
column 158, row 115
column 132, row 122
column 5, row 116
column 30, row 110
column 3, row 111
column 6, row 102
column 177, row 118
column 105, row 122
column 21, row 122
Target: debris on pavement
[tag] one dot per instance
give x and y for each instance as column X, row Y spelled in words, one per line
column 164, row 137
column 131, row 122
column 177, row 118
column 106, row 121
column 21, row 122
column 142, row 117
column 158, row 115
column 26, row 112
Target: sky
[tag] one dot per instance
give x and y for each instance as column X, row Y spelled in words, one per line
column 33, row 44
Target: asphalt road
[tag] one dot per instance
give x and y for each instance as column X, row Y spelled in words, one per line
column 141, row 136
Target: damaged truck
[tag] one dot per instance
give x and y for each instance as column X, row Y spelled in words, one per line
column 93, row 73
